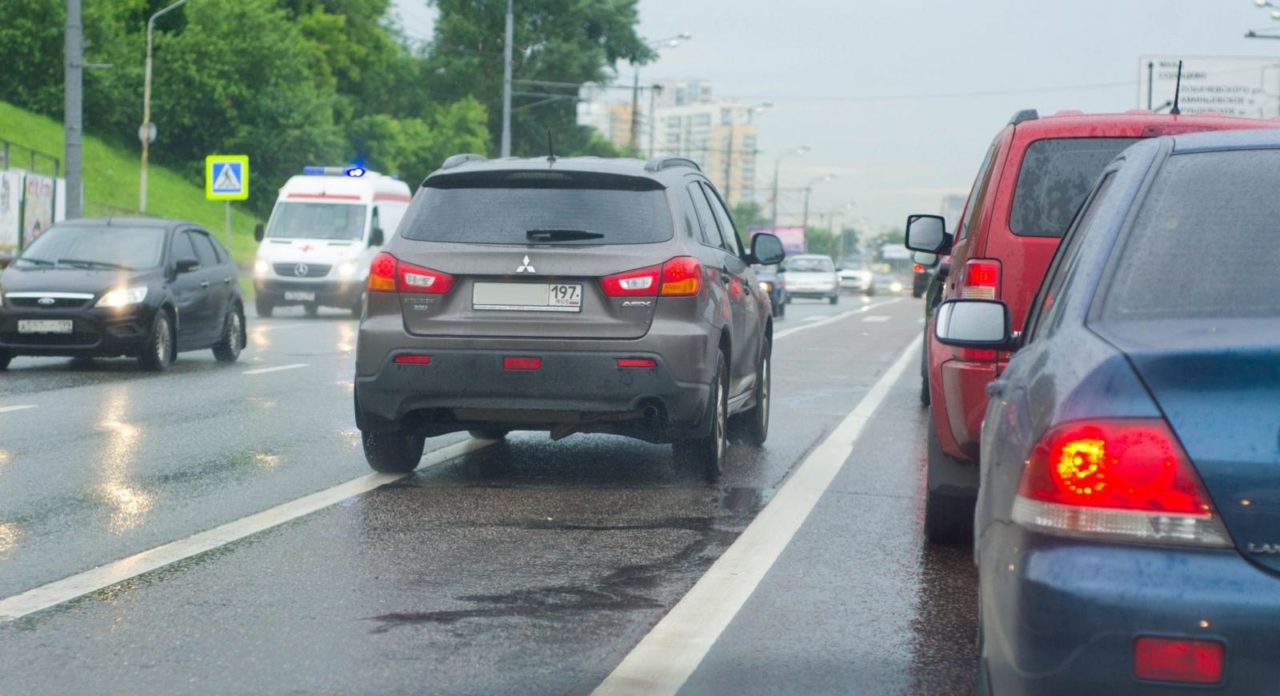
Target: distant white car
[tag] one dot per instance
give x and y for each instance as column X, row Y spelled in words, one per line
column 858, row 279
column 812, row 275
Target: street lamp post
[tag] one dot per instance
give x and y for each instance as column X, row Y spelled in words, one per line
column 809, row 190
column 669, row 42
column 777, row 164
column 831, row 224
column 145, row 133
column 506, row 79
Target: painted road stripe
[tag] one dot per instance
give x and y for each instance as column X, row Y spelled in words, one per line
column 664, row 659
column 817, row 318
column 265, row 370
column 55, row 593
column 832, row 319
column 21, row 407
column 876, row 318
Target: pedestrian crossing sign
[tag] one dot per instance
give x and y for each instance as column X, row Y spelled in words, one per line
column 226, row 177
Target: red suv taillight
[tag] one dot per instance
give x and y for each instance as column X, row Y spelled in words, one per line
column 1124, row 479
column 981, row 279
column 679, row 276
column 389, row 274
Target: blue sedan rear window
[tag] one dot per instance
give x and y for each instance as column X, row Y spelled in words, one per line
column 1206, row 242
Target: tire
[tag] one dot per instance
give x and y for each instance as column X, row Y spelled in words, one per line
column 787, row 301
column 757, row 419
column 311, row 308
column 393, row 453
column 5, row 357
column 948, row 516
column 924, row 374
column 488, row 433
column 157, row 352
column 834, row 299
column 780, row 311
column 705, row 455
column 982, row 676
column 264, row 306
column 228, row 347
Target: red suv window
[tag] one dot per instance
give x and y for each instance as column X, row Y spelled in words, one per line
column 1057, row 174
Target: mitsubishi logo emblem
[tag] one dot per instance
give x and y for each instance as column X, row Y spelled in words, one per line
column 525, row 267
column 301, row 270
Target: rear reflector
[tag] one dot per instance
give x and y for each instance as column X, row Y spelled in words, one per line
column 518, row 363
column 637, row 362
column 1178, row 660
column 412, row 360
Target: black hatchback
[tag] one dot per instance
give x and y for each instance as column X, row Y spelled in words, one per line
column 138, row 287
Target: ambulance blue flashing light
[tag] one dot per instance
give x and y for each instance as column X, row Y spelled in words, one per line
column 354, row 172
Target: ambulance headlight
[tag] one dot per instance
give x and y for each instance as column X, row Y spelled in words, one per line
column 348, row 269
column 261, row 268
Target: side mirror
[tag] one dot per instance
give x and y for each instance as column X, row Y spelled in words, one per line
column 974, row 324
column 925, row 259
column 928, row 233
column 259, row 231
column 376, row 238
column 766, row 249
column 186, row 265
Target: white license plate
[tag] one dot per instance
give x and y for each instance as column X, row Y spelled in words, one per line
column 300, row 296
column 49, row 326
column 527, row 297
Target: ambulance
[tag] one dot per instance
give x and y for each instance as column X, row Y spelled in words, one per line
column 325, row 229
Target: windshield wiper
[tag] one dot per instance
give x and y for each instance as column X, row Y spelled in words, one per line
column 38, row 262
column 93, row 264
column 561, row 235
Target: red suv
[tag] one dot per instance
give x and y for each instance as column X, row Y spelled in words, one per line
column 1033, row 178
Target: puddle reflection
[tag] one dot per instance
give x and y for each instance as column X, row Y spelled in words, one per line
column 129, row 504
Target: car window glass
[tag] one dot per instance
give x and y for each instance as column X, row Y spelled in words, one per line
column 182, row 248
column 204, row 250
column 975, row 194
column 1055, row 177
column 1204, row 243
column 203, row 239
column 1046, row 309
column 706, row 219
column 728, row 234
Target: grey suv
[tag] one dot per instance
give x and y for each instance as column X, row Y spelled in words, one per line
column 565, row 295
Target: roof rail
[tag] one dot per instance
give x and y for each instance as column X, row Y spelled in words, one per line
column 459, row 160
column 1024, row 115
column 661, row 162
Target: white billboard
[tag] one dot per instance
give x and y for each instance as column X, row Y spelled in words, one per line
column 1233, row 86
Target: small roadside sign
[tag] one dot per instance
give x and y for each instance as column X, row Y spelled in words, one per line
column 226, row 177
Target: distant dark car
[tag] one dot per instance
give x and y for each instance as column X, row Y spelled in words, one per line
column 920, row 276
column 774, row 284
column 1128, row 519
column 137, row 287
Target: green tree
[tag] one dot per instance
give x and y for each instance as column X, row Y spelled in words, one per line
column 748, row 214
column 567, row 42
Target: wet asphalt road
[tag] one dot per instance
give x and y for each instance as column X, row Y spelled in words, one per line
column 525, row 567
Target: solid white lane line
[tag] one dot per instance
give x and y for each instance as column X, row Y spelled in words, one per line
column 673, row 649
column 21, row 407
column 817, row 318
column 877, row 318
column 265, row 370
column 60, row 591
column 832, row 319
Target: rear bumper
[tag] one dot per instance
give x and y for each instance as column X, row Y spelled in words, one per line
column 963, row 400
column 328, row 292
column 95, row 332
column 1060, row 615
column 572, row 390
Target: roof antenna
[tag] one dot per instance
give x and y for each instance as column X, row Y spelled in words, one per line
column 1177, row 92
column 551, row 150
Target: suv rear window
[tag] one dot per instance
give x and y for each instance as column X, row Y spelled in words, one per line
column 569, row 208
column 1205, row 243
column 1057, row 175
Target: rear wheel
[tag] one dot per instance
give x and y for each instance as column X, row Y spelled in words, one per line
column 705, row 455
column 5, row 357
column 757, row 419
column 393, row 453
column 834, row 299
column 948, row 506
column 227, row 349
column 924, row 374
column 264, row 306
column 157, row 350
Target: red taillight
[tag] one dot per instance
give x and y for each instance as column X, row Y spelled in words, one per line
column 918, row 268
column 681, row 276
column 389, row 274
column 412, row 359
column 1124, row 478
column 382, row 273
column 637, row 283
column 1178, row 660
column 522, row 363
column 981, row 279
column 637, row 362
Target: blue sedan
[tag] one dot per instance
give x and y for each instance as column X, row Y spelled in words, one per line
column 1128, row 522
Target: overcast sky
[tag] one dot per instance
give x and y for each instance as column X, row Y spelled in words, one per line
column 827, row 64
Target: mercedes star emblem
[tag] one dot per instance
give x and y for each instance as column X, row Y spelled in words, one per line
column 301, row 270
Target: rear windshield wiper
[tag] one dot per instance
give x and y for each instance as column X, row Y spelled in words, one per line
column 91, row 264
column 561, row 235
